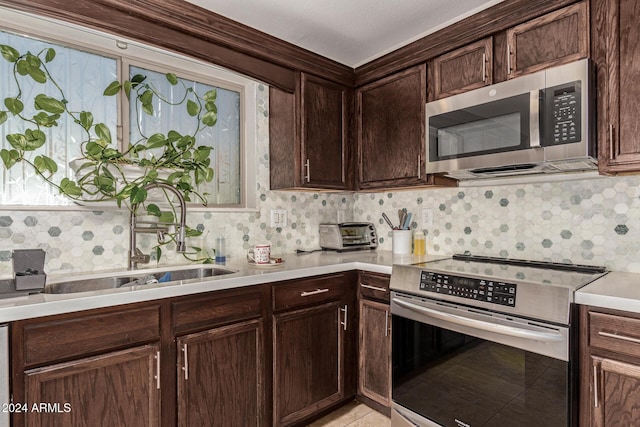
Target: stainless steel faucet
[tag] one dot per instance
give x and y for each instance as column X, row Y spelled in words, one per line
column 135, row 255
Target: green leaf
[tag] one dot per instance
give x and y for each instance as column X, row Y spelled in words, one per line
column 152, row 175
column 22, row 67
column 127, row 88
column 138, row 78
column 45, row 164
column 104, row 183
column 37, row 74
column 211, row 95
column 172, row 78
column 166, row 217
column 9, row 53
column 46, row 120
column 156, row 140
column 148, row 108
column 70, row 188
column 93, row 149
column 103, row 132
column 146, row 97
column 192, row 108
column 51, row 53
column 86, row 120
column 17, row 140
column 172, row 178
column 210, row 118
column 9, row 157
column 211, row 106
column 209, row 175
column 173, row 136
column 138, row 195
column 158, row 253
column 48, row 104
column 35, row 139
column 14, row 105
column 33, row 60
column 202, row 153
column 3, row 117
column 153, row 209
column 112, row 89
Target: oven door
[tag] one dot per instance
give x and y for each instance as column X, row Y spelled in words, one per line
column 455, row 366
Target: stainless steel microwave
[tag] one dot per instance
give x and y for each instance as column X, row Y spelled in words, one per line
column 537, row 123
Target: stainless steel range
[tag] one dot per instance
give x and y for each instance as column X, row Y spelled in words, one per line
column 481, row 341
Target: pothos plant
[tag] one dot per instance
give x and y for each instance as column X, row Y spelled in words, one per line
column 100, row 176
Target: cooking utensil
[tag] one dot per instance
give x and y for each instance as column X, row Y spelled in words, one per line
column 407, row 222
column 386, row 218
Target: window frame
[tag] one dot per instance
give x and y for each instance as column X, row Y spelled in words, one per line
column 128, row 52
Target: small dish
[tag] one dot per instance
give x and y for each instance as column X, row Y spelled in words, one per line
column 271, row 264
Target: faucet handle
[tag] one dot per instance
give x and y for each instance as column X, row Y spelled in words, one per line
column 140, row 257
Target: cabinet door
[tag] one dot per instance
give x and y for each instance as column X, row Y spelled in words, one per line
column 616, row 50
column 391, row 130
column 120, row 388
column 615, row 393
column 461, row 70
column 308, row 361
column 375, row 352
column 308, row 136
column 553, row 39
column 324, row 133
column 221, row 376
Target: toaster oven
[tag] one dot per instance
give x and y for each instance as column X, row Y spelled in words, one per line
column 348, row 236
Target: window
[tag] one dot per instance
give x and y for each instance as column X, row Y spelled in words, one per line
column 85, row 70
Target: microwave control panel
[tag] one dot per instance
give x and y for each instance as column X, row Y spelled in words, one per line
column 493, row 291
column 563, row 109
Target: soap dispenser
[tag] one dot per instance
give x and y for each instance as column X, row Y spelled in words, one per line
column 220, row 247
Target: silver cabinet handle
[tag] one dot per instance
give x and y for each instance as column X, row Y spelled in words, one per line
column 307, row 173
column 595, row 386
column 386, row 323
column 611, row 147
column 185, row 368
column 375, row 288
column 316, row 292
column 484, row 67
column 419, row 158
column 157, row 357
column 619, row 337
column 344, row 309
column 508, row 59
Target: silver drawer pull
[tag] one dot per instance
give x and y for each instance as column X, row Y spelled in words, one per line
column 619, row 337
column 316, row 292
column 375, row 288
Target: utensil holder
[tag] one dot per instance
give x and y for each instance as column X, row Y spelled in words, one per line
column 28, row 269
column 401, row 241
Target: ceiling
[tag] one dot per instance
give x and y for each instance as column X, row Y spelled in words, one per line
column 351, row 32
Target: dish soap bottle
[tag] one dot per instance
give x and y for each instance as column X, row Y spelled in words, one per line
column 220, row 248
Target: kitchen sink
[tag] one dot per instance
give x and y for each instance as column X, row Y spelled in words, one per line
column 85, row 285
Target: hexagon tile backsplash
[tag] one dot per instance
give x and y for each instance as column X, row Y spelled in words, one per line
column 590, row 221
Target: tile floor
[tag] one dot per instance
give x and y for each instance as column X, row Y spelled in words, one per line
column 353, row 414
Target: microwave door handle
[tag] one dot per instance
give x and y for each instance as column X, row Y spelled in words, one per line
column 534, row 119
column 512, row 331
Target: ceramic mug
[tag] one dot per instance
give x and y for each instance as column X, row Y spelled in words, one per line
column 260, row 254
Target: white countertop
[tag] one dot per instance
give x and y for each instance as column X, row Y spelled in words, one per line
column 294, row 267
column 615, row 290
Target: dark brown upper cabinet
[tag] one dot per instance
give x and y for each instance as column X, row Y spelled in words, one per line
column 391, row 131
column 469, row 67
column 308, row 135
column 615, row 50
column 555, row 38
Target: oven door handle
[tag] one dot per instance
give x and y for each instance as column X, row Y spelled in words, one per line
column 479, row 324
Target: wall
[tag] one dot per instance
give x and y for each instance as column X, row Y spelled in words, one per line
column 583, row 221
column 586, row 221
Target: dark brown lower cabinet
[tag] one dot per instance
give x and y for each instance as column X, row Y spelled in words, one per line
column 308, row 361
column 220, row 376
column 120, row 388
column 375, row 353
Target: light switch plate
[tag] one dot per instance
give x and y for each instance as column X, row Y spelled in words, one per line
column 278, row 218
column 427, row 217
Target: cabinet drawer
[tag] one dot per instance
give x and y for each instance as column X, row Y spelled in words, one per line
column 374, row 286
column 614, row 333
column 193, row 313
column 306, row 292
column 64, row 339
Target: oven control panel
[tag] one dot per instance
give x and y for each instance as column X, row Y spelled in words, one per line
column 486, row 290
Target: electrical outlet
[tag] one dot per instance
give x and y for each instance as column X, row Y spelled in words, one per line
column 427, row 217
column 278, row 218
